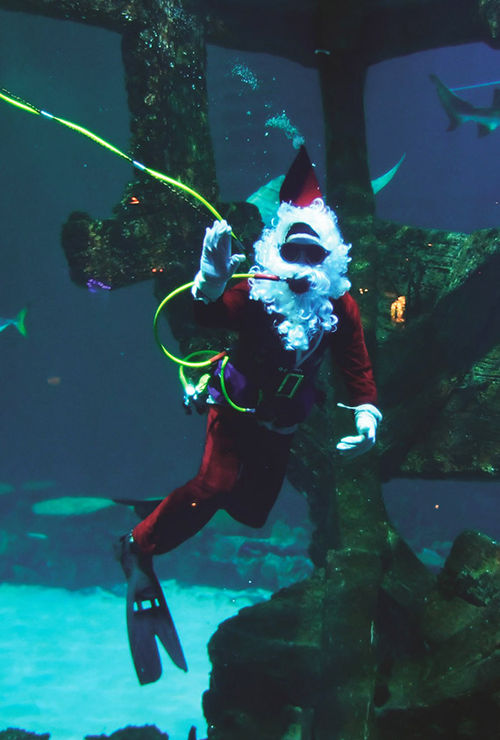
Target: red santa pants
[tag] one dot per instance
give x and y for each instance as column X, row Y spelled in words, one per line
column 242, row 471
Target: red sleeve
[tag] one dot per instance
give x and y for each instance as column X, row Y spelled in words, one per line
column 227, row 312
column 350, row 353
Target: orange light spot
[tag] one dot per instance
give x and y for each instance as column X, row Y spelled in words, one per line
column 398, row 309
column 134, row 201
column 436, row 506
column 54, row 380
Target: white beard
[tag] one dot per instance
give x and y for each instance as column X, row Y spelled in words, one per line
column 301, row 315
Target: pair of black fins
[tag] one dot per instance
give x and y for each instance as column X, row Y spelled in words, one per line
column 148, row 616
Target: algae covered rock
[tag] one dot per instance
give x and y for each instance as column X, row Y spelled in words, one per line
column 13, row 733
column 146, row 732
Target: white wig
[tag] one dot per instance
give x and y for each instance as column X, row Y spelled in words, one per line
column 306, row 313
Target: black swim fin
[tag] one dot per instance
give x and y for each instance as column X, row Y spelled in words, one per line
column 148, row 616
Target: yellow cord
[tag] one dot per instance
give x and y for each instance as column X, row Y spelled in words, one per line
column 29, row 108
column 206, row 363
column 169, row 297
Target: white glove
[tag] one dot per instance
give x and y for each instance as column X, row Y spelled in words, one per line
column 216, row 263
column 366, row 418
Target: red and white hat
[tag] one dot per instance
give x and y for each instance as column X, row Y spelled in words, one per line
column 300, row 186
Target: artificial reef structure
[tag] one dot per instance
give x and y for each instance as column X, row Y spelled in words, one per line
column 372, row 645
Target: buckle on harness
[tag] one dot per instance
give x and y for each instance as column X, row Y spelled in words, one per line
column 290, row 385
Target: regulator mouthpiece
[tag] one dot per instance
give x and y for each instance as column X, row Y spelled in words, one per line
column 299, row 285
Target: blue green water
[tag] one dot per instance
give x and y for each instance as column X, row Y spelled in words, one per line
column 66, row 669
column 91, row 407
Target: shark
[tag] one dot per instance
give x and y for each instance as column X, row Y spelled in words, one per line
column 460, row 111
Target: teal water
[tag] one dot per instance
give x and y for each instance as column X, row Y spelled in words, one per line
column 106, row 427
column 66, row 668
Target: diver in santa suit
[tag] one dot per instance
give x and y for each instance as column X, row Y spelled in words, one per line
column 259, row 396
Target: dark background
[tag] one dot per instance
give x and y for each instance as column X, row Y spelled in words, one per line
column 113, row 425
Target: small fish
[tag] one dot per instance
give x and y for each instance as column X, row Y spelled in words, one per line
column 95, row 286
column 18, row 322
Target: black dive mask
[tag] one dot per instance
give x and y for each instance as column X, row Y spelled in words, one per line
column 305, row 254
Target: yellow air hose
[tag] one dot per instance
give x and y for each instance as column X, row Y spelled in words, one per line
column 200, row 364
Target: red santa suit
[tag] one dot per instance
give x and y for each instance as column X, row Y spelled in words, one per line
column 246, row 454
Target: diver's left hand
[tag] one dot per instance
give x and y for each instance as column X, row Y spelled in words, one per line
column 366, row 418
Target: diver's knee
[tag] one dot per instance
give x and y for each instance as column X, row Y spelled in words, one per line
column 253, row 519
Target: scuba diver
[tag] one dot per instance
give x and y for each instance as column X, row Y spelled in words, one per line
column 258, row 397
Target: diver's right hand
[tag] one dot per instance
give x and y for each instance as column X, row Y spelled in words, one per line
column 216, row 264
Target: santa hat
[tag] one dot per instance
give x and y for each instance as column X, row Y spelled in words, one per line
column 300, row 188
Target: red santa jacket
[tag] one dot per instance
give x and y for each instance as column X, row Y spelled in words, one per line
column 280, row 383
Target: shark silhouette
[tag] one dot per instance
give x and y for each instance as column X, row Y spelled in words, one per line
column 460, row 111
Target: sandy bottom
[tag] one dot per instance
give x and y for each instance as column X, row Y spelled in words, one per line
column 66, row 667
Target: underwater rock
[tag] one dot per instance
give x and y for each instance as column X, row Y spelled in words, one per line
column 450, row 392
column 295, row 653
column 163, row 54
column 146, row 732
column 13, row 733
column 472, row 569
column 433, row 643
column 249, row 687
column 455, row 662
column 429, row 659
column 490, row 10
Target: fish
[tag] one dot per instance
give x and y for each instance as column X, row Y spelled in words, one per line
column 18, row 322
column 267, row 197
column 71, row 505
column 460, row 111
column 380, row 182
